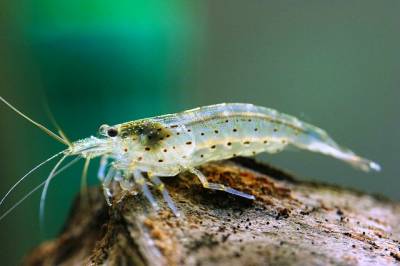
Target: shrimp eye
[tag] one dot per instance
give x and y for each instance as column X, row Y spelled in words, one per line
column 112, row 132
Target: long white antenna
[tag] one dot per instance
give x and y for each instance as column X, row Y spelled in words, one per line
column 40, row 126
column 37, row 187
column 46, row 186
column 27, row 174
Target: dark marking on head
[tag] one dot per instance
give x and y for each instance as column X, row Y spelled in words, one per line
column 216, row 131
column 213, row 147
column 234, row 130
column 149, row 133
column 165, row 150
column 189, row 130
column 226, row 121
column 201, row 155
column 202, row 133
column 229, row 143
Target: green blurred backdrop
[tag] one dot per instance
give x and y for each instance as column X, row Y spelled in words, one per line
column 332, row 63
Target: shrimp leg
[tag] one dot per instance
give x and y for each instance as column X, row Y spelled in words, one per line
column 101, row 174
column 106, row 182
column 161, row 187
column 215, row 186
column 141, row 182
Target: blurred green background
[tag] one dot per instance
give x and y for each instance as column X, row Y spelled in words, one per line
column 332, row 63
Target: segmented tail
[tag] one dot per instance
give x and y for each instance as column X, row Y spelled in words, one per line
column 344, row 154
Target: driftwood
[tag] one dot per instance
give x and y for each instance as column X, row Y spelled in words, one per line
column 290, row 223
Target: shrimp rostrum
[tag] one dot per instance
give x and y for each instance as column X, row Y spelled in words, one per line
column 137, row 153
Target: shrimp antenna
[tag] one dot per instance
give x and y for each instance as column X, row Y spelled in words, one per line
column 54, row 121
column 27, row 174
column 40, row 126
column 84, row 175
column 84, row 187
column 45, row 188
column 37, row 187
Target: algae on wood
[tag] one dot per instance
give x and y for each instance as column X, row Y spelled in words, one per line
column 290, row 223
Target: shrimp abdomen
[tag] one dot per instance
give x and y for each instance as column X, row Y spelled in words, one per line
column 226, row 130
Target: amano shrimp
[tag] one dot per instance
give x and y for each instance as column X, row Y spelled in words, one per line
column 137, row 153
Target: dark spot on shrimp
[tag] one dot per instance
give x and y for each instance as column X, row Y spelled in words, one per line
column 229, row 143
column 148, row 133
column 249, row 120
column 246, row 142
column 177, row 133
column 234, row 155
column 165, row 150
column 189, row 143
column 275, row 129
column 202, row 133
column 160, row 161
column 256, row 129
column 125, row 150
column 112, row 132
column 234, row 130
column 283, row 141
column 226, row 121
column 167, row 136
column 213, row 147
column 147, row 148
column 216, row 131
column 265, row 141
column 189, row 130
column 254, row 153
column 173, row 147
column 140, row 158
column 201, row 155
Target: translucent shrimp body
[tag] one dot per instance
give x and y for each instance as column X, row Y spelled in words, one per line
column 137, row 153
column 167, row 145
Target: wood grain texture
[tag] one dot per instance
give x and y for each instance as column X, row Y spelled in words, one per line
column 290, row 223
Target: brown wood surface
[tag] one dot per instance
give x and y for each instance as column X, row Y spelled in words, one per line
column 290, row 223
